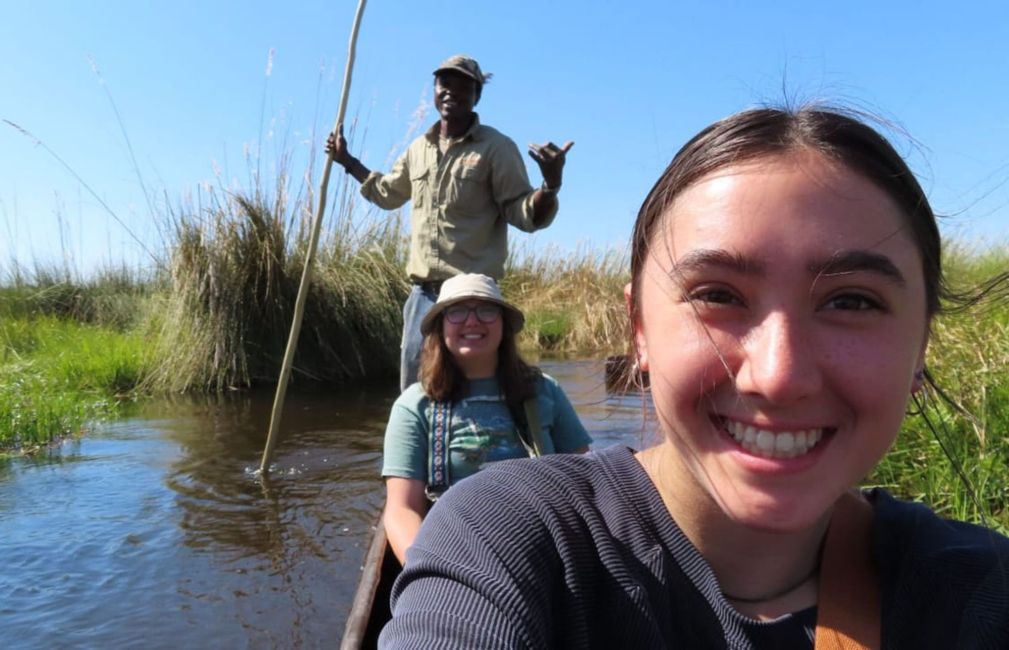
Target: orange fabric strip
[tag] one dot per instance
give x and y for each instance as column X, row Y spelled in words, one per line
column 848, row 602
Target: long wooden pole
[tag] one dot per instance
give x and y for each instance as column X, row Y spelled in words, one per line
column 306, row 274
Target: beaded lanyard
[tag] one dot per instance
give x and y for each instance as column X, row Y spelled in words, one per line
column 437, row 457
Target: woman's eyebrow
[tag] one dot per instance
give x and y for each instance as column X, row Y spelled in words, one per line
column 844, row 262
column 840, row 263
column 706, row 258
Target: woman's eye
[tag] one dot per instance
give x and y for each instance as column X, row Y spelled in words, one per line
column 853, row 302
column 715, row 297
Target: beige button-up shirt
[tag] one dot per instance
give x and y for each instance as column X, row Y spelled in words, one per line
column 462, row 202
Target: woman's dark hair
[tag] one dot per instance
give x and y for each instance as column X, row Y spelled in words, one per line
column 444, row 381
column 759, row 133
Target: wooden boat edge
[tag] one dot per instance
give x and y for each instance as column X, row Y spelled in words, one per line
column 359, row 620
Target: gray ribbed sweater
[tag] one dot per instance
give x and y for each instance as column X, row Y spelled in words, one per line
column 580, row 552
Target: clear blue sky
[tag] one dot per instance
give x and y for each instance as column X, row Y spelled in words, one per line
column 629, row 82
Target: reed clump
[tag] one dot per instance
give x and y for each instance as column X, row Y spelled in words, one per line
column 573, row 302
column 234, row 271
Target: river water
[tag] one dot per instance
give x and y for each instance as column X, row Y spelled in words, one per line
column 154, row 531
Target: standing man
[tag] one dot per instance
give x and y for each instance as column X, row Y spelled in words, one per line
column 466, row 183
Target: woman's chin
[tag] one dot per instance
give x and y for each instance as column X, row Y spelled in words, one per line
column 476, row 363
column 776, row 513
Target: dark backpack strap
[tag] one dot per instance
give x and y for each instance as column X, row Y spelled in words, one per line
column 438, row 478
column 848, row 600
column 533, row 427
column 526, row 416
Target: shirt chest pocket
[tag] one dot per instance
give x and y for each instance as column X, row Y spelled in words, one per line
column 469, row 189
column 420, row 188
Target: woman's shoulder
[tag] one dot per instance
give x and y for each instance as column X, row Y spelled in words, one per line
column 912, row 545
column 548, row 384
column 561, row 479
column 413, row 398
column 906, row 526
column 945, row 582
column 547, row 502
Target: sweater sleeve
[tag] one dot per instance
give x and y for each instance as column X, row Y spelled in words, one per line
column 490, row 591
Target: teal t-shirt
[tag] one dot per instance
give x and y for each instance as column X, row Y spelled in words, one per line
column 481, row 430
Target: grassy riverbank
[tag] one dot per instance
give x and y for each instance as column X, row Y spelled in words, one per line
column 215, row 316
column 57, row 374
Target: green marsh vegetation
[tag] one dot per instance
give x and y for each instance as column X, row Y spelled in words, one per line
column 217, row 318
column 233, row 275
column 214, row 312
column 70, row 352
column 573, row 302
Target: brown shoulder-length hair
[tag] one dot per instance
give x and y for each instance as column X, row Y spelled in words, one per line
column 443, row 380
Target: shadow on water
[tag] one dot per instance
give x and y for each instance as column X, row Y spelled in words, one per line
column 155, row 531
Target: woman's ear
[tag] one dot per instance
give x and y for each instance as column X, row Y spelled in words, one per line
column 640, row 346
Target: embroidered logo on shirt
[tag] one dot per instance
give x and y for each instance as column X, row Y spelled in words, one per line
column 470, row 160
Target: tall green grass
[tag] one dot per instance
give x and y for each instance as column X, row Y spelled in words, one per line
column 112, row 296
column 235, row 268
column 218, row 314
column 58, row 375
column 573, row 302
column 71, row 350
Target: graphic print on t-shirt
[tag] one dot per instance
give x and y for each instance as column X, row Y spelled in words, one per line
column 482, row 432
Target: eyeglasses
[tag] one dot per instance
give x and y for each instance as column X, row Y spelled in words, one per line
column 457, row 314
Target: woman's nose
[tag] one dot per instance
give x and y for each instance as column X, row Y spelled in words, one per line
column 779, row 363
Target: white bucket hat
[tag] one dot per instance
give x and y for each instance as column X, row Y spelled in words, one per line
column 471, row 286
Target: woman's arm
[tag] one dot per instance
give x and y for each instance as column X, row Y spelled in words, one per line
column 405, row 507
column 480, row 574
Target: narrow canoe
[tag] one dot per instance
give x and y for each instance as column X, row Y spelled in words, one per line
column 370, row 609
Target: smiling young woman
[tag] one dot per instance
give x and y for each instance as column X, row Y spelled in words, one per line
column 472, row 406
column 782, row 320
column 785, row 272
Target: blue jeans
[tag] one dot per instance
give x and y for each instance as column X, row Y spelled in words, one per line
column 418, row 303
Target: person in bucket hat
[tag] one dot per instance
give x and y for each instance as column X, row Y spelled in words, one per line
column 466, row 182
column 471, row 406
column 472, row 286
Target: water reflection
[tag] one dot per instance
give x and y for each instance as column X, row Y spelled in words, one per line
column 329, row 453
column 155, row 531
column 611, row 418
column 294, row 538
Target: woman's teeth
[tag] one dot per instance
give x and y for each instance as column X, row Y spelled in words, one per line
column 781, row 444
